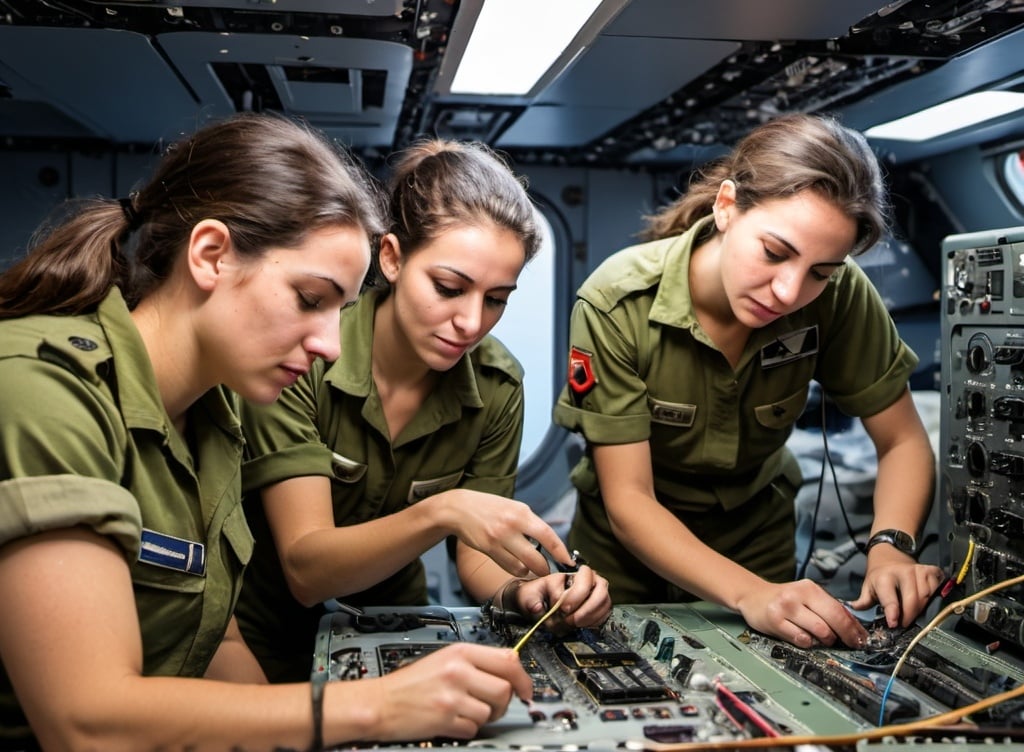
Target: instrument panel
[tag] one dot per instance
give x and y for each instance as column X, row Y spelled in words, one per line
column 679, row 674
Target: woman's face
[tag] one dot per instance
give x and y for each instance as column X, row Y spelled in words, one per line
column 779, row 255
column 282, row 311
column 448, row 294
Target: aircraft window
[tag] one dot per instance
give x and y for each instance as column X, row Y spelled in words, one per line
column 527, row 330
column 1013, row 174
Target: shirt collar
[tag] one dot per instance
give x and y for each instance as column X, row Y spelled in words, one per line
column 672, row 304
column 137, row 390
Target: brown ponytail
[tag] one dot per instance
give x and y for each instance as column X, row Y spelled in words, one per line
column 271, row 180
column 781, row 158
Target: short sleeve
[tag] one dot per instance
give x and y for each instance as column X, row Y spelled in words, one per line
column 865, row 365
column 608, row 401
column 62, row 450
column 493, row 466
column 283, row 439
column 56, row 423
column 33, row 505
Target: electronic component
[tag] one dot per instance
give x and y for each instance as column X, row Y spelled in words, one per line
column 679, row 673
column 982, row 424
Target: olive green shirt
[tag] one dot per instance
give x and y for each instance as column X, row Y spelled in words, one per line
column 719, row 434
column 466, row 434
column 641, row 368
column 85, row 441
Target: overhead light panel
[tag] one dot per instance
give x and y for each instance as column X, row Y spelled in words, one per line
column 512, row 47
column 950, row 116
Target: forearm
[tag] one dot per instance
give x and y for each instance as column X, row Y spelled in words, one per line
column 479, row 575
column 667, row 546
column 334, row 562
column 905, row 486
column 234, row 661
column 177, row 713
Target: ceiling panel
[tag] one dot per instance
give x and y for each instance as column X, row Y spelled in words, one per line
column 87, row 84
column 740, row 19
column 545, row 125
column 344, row 7
column 351, row 88
column 657, row 68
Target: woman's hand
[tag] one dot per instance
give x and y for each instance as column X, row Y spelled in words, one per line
column 898, row 584
column 586, row 602
column 501, row 528
column 451, row 692
column 801, row 613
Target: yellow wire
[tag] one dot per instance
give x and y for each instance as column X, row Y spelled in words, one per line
column 541, row 620
column 882, row 731
column 967, row 561
column 904, row 729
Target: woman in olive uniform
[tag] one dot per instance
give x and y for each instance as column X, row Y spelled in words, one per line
column 413, row 435
column 690, row 360
column 122, row 536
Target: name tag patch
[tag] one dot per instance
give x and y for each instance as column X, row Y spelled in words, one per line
column 346, row 470
column 170, row 552
column 421, row 489
column 789, row 347
column 672, row 413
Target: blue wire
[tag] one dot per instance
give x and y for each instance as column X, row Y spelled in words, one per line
column 885, row 696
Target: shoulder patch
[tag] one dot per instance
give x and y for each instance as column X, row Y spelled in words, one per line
column 581, row 378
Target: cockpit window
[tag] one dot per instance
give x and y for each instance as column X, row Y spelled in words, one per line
column 526, row 329
column 1013, row 176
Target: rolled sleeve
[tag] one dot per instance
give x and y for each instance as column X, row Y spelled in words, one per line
column 865, row 365
column 293, row 462
column 283, row 439
column 615, row 410
column 879, row 395
column 38, row 504
column 495, row 462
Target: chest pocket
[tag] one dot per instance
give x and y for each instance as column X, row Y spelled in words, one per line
column 782, row 413
column 236, row 530
column 421, row 489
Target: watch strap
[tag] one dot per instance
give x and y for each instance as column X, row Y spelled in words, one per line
column 898, row 539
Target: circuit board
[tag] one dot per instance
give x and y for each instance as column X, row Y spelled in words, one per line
column 681, row 674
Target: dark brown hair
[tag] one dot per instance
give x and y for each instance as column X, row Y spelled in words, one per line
column 438, row 184
column 781, row 158
column 270, row 180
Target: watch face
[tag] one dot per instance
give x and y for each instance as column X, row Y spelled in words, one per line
column 901, row 540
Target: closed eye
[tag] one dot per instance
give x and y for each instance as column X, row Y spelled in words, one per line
column 309, row 302
column 447, row 292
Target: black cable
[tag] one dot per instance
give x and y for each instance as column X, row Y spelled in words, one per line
column 817, row 501
column 826, row 457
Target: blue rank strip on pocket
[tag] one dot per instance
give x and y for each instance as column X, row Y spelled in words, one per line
column 172, row 553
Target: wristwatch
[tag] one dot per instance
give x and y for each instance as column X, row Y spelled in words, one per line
column 897, row 538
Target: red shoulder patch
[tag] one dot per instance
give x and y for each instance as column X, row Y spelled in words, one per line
column 581, row 371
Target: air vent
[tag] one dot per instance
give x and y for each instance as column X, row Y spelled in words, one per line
column 302, row 89
column 468, row 122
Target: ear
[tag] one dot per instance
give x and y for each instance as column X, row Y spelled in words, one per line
column 208, row 245
column 390, row 258
column 725, row 204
